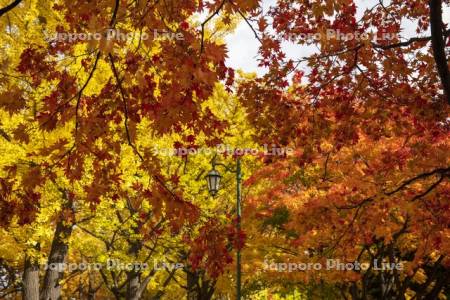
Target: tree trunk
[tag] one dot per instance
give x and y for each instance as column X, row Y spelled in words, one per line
column 30, row 280
column 91, row 289
column 134, row 289
column 55, row 265
column 133, row 286
column 191, row 280
column 198, row 287
column 438, row 45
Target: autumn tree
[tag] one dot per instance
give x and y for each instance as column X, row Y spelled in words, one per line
column 87, row 90
column 78, row 101
column 369, row 122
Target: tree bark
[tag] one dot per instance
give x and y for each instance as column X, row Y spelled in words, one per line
column 30, row 280
column 133, row 286
column 55, row 271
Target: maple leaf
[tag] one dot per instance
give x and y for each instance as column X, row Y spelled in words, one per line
column 20, row 134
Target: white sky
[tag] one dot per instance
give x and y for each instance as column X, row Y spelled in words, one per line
column 243, row 46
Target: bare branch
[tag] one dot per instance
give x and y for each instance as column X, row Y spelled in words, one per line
column 9, row 7
column 420, row 176
column 216, row 12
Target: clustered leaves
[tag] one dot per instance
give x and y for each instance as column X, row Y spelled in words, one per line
column 367, row 119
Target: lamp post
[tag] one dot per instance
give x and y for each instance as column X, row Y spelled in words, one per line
column 213, row 178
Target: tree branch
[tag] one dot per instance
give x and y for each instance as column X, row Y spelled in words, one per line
column 5, row 135
column 112, row 23
column 441, row 171
column 9, row 7
column 407, row 43
column 216, row 12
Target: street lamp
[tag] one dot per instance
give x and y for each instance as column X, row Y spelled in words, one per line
column 213, row 179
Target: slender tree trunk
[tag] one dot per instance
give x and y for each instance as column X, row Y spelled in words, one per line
column 91, row 289
column 30, row 280
column 51, row 289
column 438, row 45
column 198, row 288
column 192, row 291
column 133, row 286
